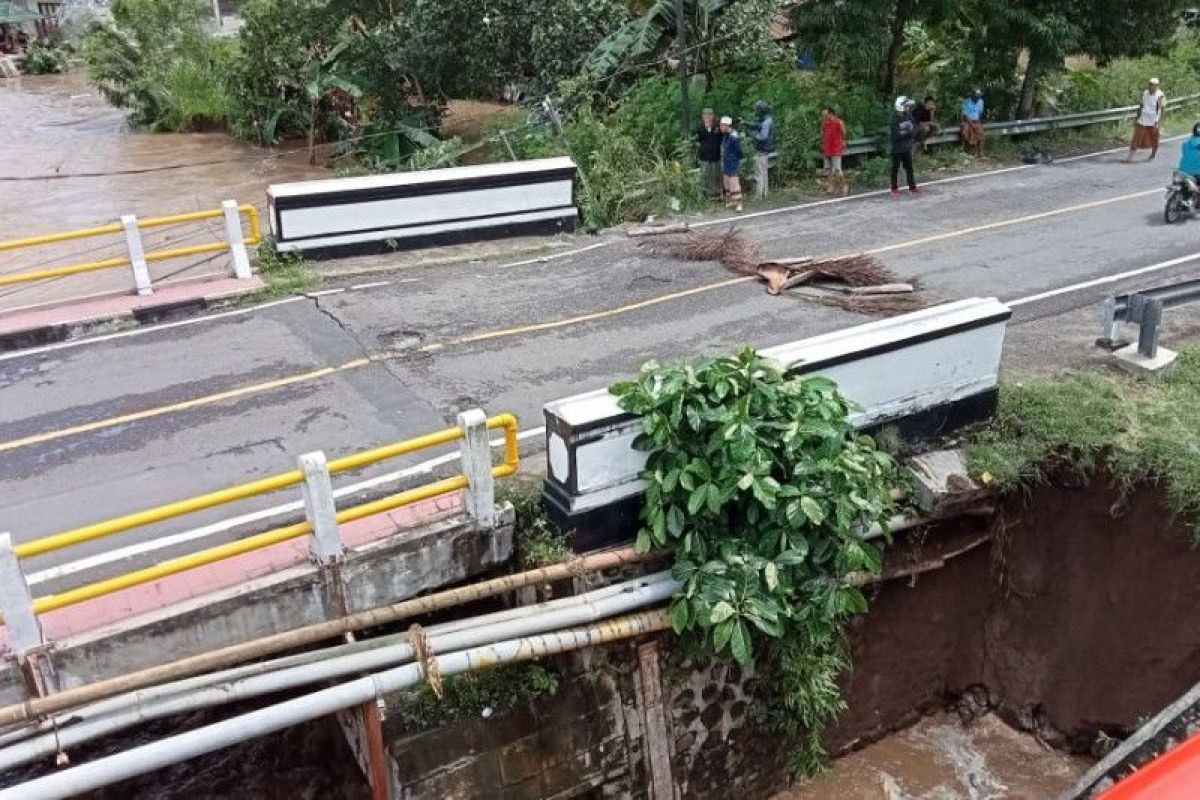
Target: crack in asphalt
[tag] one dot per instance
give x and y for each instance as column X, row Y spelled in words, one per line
column 374, row 356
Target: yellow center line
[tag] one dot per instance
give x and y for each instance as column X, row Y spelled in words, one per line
column 231, row 394
column 524, row 329
column 612, row 312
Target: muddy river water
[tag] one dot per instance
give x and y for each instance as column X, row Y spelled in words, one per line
column 69, row 160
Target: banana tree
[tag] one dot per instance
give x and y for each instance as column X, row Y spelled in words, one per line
column 320, row 77
column 651, row 34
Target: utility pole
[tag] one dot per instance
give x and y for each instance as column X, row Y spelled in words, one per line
column 681, row 54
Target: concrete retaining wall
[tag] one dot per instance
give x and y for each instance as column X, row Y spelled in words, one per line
column 413, row 561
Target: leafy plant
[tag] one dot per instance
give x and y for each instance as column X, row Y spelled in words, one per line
column 158, row 61
column 761, row 487
column 43, row 59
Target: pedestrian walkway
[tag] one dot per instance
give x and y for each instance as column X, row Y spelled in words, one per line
column 27, row 327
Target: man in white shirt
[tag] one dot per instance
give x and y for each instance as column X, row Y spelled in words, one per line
column 1149, row 121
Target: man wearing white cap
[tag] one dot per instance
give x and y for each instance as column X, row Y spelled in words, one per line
column 1149, row 121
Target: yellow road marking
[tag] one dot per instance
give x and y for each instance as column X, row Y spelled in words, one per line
column 612, row 312
column 543, row 326
column 243, row 391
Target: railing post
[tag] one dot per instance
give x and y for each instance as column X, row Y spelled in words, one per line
column 137, row 255
column 480, row 495
column 24, row 630
column 1148, row 328
column 325, row 542
column 237, row 240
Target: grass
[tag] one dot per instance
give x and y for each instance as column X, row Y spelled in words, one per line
column 1083, row 422
column 285, row 274
column 473, row 693
column 539, row 542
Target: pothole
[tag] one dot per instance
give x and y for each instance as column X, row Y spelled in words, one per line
column 401, row 341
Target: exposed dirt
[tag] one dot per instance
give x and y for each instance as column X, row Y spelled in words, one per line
column 1078, row 619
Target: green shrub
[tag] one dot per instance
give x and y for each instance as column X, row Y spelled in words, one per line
column 1120, row 83
column 761, row 487
column 157, row 61
column 43, row 59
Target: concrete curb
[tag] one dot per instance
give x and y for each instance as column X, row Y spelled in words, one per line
column 60, row 323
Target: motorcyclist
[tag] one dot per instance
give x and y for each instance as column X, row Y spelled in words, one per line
column 1189, row 157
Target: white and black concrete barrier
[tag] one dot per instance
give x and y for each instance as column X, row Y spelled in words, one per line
column 374, row 213
column 923, row 374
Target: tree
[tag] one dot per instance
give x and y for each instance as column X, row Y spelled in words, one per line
column 650, row 35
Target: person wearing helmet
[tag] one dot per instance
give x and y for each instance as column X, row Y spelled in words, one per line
column 972, row 122
column 904, row 134
column 762, row 133
column 1189, row 157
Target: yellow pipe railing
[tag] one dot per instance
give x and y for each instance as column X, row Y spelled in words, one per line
column 251, row 543
column 109, row 263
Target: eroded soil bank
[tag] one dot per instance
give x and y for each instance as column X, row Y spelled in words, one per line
column 1076, row 618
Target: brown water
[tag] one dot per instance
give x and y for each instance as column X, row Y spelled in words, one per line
column 939, row 758
column 70, row 161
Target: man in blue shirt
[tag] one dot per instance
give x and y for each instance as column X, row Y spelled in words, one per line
column 731, row 164
column 972, row 122
column 1189, row 158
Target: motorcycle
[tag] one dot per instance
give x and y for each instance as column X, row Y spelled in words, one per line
column 1182, row 195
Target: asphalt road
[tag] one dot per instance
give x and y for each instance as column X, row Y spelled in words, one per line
column 94, row 430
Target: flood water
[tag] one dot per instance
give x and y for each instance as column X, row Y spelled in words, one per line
column 940, row 758
column 71, row 161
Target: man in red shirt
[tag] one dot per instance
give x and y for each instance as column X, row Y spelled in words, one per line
column 833, row 147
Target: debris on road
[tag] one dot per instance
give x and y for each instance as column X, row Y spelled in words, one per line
column 855, row 282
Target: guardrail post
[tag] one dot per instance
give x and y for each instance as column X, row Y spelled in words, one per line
column 1151, row 319
column 325, row 543
column 137, row 254
column 237, row 240
column 16, row 603
column 480, row 495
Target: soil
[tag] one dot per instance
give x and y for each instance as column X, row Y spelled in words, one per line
column 1077, row 619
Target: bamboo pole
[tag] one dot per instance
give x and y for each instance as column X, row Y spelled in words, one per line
column 310, row 634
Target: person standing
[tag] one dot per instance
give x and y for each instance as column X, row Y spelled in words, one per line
column 708, row 140
column 762, row 132
column 731, row 164
column 903, row 136
column 972, row 122
column 925, row 115
column 1149, row 121
column 833, row 147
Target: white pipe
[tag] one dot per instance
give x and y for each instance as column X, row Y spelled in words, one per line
column 145, row 697
column 538, row 619
column 173, row 749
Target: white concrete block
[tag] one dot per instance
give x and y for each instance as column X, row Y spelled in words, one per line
column 1129, row 359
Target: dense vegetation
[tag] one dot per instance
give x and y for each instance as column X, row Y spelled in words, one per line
column 762, row 489
column 373, row 77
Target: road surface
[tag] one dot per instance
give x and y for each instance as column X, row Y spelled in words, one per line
column 96, row 429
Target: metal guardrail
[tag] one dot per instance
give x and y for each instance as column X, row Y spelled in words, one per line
column 138, row 259
column 870, row 144
column 1144, row 309
column 20, row 609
